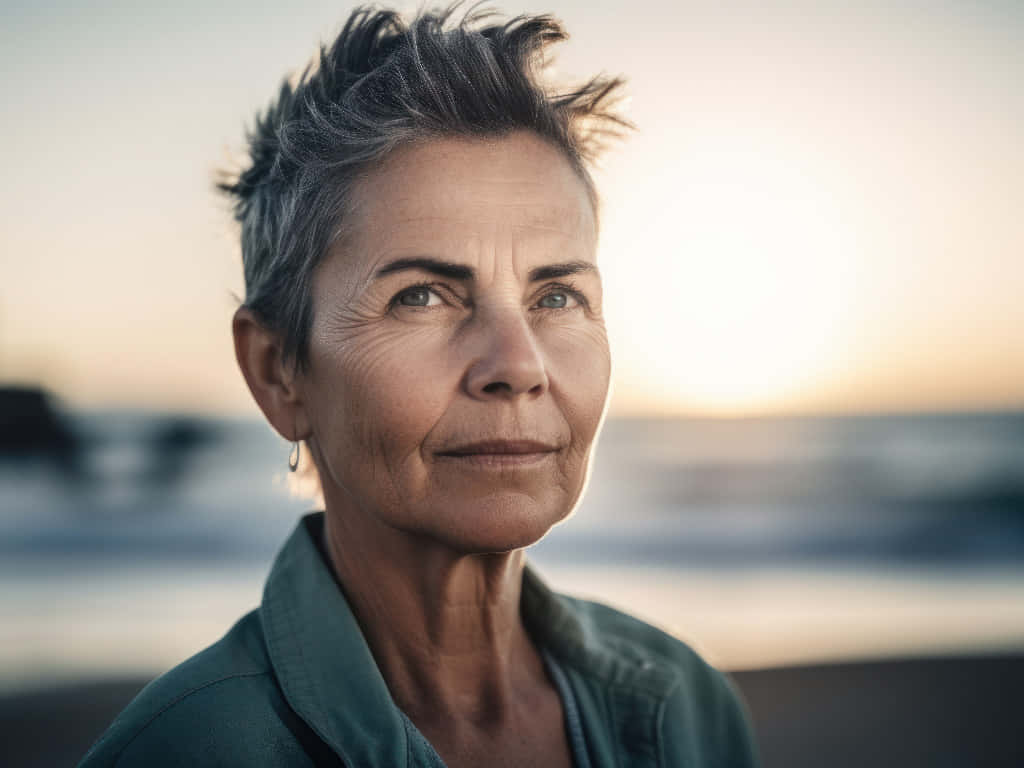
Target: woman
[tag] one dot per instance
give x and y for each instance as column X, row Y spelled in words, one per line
column 423, row 314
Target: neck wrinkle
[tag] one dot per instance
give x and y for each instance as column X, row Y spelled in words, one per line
column 444, row 627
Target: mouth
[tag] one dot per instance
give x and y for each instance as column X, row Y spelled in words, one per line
column 500, row 453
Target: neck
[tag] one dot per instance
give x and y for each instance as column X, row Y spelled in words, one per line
column 444, row 627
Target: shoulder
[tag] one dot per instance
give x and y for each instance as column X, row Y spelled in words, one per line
column 704, row 716
column 631, row 636
column 634, row 641
column 221, row 704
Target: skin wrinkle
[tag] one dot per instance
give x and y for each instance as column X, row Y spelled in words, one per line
column 336, row 121
column 362, row 155
column 428, row 547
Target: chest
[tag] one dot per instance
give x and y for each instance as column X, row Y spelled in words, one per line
column 541, row 742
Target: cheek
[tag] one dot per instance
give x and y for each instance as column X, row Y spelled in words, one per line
column 579, row 364
column 380, row 391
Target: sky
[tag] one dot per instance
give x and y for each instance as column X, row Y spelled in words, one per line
column 820, row 210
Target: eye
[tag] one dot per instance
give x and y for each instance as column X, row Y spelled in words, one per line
column 418, row 296
column 560, row 298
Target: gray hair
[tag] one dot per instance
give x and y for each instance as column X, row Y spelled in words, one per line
column 382, row 84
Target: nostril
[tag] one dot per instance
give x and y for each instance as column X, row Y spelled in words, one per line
column 497, row 386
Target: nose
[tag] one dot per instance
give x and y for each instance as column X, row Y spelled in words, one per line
column 509, row 362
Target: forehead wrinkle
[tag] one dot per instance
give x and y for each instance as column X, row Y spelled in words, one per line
column 478, row 212
column 545, row 198
column 391, row 241
column 427, row 218
column 563, row 233
column 540, row 207
column 554, row 244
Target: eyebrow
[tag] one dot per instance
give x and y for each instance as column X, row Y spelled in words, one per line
column 461, row 272
column 560, row 270
column 443, row 268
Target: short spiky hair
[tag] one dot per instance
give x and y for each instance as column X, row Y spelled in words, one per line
column 384, row 83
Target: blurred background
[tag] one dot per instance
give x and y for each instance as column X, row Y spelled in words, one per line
column 813, row 254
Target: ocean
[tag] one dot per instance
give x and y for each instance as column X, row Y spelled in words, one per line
column 761, row 541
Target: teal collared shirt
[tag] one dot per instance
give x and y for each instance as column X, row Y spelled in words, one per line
column 293, row 683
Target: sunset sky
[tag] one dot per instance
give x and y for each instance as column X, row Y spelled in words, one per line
column 822, row 209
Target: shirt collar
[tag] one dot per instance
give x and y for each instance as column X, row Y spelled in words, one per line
column 571, row 629
column 329, row 676
column 322, row 661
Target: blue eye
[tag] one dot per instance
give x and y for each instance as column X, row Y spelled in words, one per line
column 554, row 301
column 418, row 296
column 558, row 300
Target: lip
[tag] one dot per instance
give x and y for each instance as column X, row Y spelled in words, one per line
column 500, row 454
column 500, row 448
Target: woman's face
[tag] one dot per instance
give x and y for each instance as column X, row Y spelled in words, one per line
column 458, row 358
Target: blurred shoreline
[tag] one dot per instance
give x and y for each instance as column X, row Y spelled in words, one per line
column 141, row 619
column 886, row 551
column 762, row 542
column 932, row 488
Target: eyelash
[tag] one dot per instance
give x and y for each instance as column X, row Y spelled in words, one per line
column 567, row 288
column 434, row 287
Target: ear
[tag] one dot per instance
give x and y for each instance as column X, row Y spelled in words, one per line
column 273, row 383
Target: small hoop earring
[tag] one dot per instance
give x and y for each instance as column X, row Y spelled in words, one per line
column 293, row 456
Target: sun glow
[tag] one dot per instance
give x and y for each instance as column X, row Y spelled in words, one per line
column 750, row 306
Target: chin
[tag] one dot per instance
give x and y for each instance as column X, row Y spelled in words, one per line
column 501, row 524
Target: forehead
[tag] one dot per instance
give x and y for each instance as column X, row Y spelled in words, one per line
column 514, row 184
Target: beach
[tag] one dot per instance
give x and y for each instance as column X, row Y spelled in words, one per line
column 861, row 578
